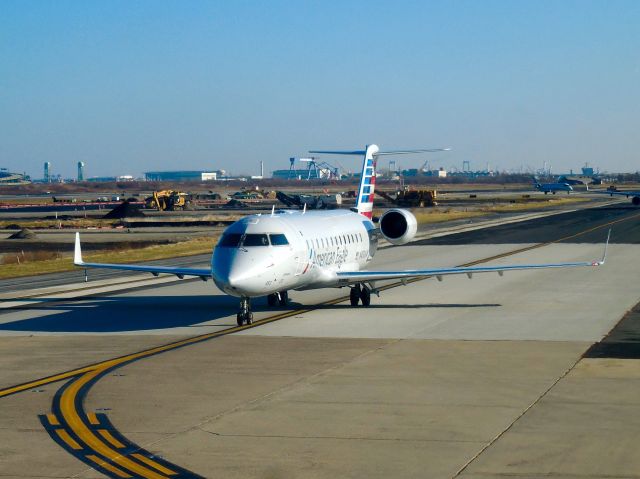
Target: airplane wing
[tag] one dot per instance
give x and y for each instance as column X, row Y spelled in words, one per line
column 348, row 277
column 619, row 193
column 204, row 274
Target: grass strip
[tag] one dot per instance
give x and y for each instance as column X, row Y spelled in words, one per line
column 200, row 245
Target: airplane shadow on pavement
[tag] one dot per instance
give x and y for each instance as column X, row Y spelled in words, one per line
column 107, row 314
column 409, row 306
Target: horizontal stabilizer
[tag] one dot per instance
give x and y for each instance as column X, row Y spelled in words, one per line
column 339, row 152
column 380, row 153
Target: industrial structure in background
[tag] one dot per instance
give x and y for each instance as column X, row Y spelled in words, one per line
column 8, row 178
column 47, row 172
column 80, row 171
column 189, row 175
column 313, row 170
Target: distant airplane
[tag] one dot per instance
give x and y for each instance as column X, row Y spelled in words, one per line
column 634, row 195
column 552, row 187
column 267, row 255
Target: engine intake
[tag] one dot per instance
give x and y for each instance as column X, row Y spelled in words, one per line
column 398, row 226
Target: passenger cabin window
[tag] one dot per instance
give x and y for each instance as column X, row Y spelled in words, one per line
column 255, row 240
column 279, row 239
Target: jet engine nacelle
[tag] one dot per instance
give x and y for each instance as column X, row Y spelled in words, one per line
column 398, row 226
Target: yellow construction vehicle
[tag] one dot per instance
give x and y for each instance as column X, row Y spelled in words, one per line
column 168, row 200
column 408, row 198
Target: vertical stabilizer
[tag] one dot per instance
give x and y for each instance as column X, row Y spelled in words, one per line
column 367, row 182
column 364, row 202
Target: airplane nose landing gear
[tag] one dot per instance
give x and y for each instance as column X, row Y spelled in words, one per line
column 244, row 315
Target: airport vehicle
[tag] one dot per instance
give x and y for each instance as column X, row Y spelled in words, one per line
column 168, row 200
column 268, row 255
column 310, row 202
column 408, row 198
column 553, row 187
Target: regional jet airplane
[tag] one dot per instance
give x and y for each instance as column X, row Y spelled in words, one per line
column 270, row 254
column 634, row 195
column 553, row 187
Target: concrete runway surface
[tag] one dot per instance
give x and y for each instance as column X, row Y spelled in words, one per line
column 465, row 378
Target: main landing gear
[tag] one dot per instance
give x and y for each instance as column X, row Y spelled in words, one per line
column 360, row 293
column 244, row 315
column 281, row 298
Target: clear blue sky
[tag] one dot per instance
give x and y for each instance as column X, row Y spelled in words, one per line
column 131, row 86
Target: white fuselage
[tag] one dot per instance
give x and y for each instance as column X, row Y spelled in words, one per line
column 263, row 254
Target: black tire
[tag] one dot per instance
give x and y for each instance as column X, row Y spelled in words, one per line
column 239, row 319
column 284, row 298
column 365, row 296
column 354, row 296
column 249, row 318
column 272, row 299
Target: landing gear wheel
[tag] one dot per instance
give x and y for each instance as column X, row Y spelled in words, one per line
column 284, row 298
column 354, row 295
column 365, row 296
column 272, row 299
column 244, row 315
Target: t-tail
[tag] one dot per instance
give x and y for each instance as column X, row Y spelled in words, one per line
column 364, row 204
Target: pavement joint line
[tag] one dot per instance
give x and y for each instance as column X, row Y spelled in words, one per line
column 520, row 416
column 345, row 438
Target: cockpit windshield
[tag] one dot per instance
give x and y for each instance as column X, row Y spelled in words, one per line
column 236, row 240
column 230, row 240
column 278, row 239
column 255, row 240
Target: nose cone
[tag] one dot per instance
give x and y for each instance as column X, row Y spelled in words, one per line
column 239, row 272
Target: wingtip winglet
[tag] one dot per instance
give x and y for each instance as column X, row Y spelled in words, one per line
column 604, row 254
column 77, row 252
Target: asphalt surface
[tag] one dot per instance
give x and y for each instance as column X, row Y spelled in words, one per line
column 623, row 342
column 553, row 227
column 77, row 275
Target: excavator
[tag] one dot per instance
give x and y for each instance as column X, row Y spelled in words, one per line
column 168, row 200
